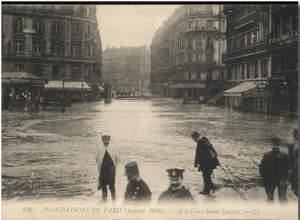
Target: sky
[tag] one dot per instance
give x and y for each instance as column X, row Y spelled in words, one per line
column 131, row 25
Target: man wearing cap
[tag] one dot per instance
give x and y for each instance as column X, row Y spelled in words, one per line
column 274, row 169
column 176, row 194
column 137, row 191
column 107, row 159
column 206, row 160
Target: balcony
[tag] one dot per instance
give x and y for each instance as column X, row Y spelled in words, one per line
column 201, row 29
column 244, row 52
column 247, row 19
column 284, row 39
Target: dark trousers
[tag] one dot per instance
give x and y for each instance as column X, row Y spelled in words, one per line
column 270, row 188
column 208, row 184
column 110, row 181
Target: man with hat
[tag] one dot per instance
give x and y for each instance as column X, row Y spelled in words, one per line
column 274, row 169
column 107, row 159
column 206, row 160
column 176, row 194
column 137, row 191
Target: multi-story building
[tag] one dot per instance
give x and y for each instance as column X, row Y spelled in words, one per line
column 186, row 53
column 127, row 69
column 53, row 42
column 261, row 57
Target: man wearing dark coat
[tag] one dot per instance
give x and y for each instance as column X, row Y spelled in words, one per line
column 137, row 191
column 176, row 194
column 274, row 169
column 206, row 160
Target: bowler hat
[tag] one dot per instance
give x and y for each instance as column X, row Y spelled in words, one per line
column 195, row 134
column 175, row 172
column 131, row 168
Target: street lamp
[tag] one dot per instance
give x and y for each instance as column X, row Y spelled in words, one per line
column 82, row 85
column 63, row 104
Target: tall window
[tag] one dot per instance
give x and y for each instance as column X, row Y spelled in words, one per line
column 199, row 57
column 198, row 23
column 209, row 40
column 190, row 57
column 56, row 27
column 75, row 27
column 19, row 24
column 76, row 49
column 75, row 72
column 248, row 75
column 255, row 69
column 209, row 23
column 19, row 46
column 87, row 73
column 38, row 26
column 88, row 31
column 38, row 47
column 88, row 50
column 209, row 57
column 264, row 68
column 198, row 41
column 56, row 47
column 190, row 43
column 190, row 24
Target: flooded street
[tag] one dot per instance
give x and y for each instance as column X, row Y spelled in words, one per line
column 49, row 154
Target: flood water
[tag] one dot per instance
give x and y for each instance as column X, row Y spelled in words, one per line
column 51, row 154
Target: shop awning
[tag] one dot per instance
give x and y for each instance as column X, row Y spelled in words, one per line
column 188, row 86
column 240, row 89
column 69, row 85
column 101, row 88
column 20, row 77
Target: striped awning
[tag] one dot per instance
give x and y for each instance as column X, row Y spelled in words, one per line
column 20, row 77
column 68, row 85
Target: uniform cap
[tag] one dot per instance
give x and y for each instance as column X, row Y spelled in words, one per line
column 105, row 136
column 195, row 134
column 131, row 168
column 175, row 172
column 276, row 141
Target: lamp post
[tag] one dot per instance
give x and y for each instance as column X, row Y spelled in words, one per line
column 63, row 104
column 82, row 85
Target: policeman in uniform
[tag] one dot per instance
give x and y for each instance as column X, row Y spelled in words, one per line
column 137, row 191
column 176, row 194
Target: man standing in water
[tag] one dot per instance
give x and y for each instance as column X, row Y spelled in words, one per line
column 107, row 159
column 274, row 169
column 206, row 160
column 176, row 194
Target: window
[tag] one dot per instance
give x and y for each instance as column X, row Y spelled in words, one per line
column 190, row 57
column 209, row 57
column 56, row 47
column 242, row 41
column 76, row 49
column 88, row 31
column 56, row 27
column 87, row 73
column 264, row 68
column 190, row 43
column 223, row 25
column 199, row 57
column 38, row 26
column 198, row 41
column 209, row 40
column 255, row 69
column 75, row 72
column 38, row 47
column 88, row 50
column 38, row 69
column 19, row 24
column 248, row 76
column 19, row 46
column 75, row 27
column 198, row 23
column 209, row 23
column 190, row 24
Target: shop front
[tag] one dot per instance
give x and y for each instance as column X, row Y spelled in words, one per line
column 21, row 91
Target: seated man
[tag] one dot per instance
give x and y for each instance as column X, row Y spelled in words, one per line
column 176, row 194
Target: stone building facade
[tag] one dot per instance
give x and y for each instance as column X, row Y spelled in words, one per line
column 261, row 58
column 186, row 53
column 127, row 69
column 53, row 42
